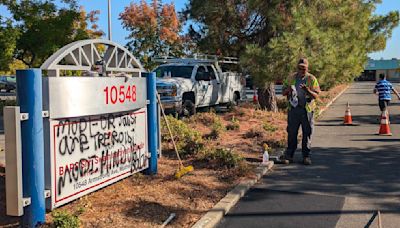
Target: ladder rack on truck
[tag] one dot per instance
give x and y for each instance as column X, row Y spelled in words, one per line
column 197, row 59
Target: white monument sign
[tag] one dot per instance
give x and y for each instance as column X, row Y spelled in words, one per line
column 96, row 130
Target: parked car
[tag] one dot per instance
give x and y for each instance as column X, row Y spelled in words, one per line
column 8, row 83
column 187, row 84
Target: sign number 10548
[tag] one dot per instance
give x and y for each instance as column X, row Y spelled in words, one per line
column 120, row 94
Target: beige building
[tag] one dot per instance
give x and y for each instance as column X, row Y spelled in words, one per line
column 390, row 68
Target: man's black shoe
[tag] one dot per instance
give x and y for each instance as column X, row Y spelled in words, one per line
column 286, row 161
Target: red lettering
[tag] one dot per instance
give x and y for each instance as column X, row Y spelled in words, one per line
column 134, row 93
column 128, row 93
column 120, row 94
column 114, row 95
column 61, row 171
column 106, row 91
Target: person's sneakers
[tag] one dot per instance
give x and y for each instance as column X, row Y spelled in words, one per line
column 307, row 161
column 285, row 160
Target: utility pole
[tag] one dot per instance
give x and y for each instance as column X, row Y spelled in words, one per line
column 109, row 19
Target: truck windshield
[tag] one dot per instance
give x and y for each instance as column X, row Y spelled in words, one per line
column 174, row 71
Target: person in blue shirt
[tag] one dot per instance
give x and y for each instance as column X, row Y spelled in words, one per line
column 384, row 89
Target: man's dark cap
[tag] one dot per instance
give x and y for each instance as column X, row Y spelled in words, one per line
column 303, row 62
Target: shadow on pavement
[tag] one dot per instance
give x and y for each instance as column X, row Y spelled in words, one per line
column 372, row 171
column 376, row 140
column 286, row 197
column 262, row 207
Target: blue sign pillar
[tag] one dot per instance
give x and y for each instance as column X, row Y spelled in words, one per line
column 152, row 122
column 29, row 95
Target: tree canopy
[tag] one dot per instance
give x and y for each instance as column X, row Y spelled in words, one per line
column 8, row 42
column 42, row 27
column 154, row 30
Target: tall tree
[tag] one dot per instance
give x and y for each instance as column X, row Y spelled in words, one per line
column 154, row 30
column 336, row 36
column 222, row 27
column 8, row 43
column 45, row 27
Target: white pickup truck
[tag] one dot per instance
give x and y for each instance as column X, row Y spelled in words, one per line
column 187, row 84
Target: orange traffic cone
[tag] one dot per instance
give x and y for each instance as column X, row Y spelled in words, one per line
column 384, row 128
column 255, row 97
column 347, row 116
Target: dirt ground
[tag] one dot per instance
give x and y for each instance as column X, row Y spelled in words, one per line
column 147, row 201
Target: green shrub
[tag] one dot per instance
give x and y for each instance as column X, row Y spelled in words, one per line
column 188, row 140
column 223, row 157
column 234, row 125
column 254, row 132
column 63, row 219
column 269, row 127
column 217, row 128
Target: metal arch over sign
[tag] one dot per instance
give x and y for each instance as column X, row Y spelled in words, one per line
column 82, row 55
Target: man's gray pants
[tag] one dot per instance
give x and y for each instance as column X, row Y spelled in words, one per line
column 299, row 117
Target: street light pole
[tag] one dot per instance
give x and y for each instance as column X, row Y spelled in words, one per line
column 109, row 19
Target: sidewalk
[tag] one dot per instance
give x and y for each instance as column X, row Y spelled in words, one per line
column 354, row 174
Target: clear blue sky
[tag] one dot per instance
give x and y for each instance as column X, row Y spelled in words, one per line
column 392, row 49
column 118, row 33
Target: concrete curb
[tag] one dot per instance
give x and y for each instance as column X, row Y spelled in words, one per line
column 214, row 215
column 333, row 100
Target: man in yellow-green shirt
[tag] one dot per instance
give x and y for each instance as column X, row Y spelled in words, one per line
column 302, row 89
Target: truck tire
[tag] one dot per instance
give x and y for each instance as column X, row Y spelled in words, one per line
column 188, row 108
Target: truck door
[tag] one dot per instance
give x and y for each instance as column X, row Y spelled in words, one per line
column 202, row 86
column 215, row 86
